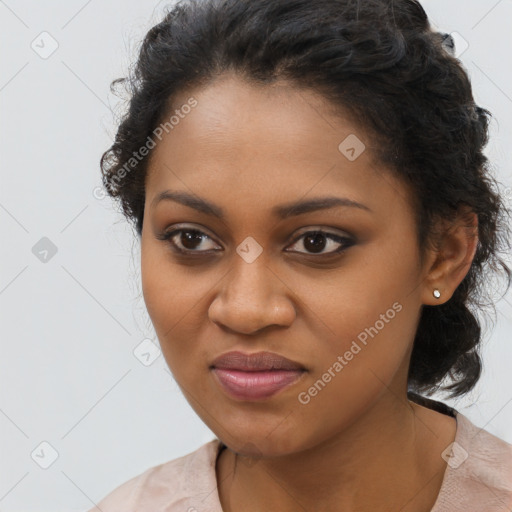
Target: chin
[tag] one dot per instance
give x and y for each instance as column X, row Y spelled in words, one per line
column 258, row 444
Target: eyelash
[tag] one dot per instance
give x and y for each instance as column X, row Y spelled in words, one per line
column 167, row 236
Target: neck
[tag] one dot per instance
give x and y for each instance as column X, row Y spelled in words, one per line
column 382, row 461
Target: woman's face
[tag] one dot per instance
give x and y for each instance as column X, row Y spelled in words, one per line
column 257, row 281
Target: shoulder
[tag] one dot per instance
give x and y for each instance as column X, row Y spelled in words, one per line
column 187, row 482
column 478, row 473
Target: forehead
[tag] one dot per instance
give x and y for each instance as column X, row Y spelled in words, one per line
column 276, row 142
column 232, row 115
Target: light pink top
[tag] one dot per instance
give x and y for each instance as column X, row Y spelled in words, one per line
column 480, row 482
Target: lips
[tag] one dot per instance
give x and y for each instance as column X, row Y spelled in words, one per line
column 255, row 376
column 259, row 361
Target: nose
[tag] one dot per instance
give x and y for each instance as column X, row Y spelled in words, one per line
column 252, row 297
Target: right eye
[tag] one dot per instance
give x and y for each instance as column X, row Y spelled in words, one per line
column 185, row 240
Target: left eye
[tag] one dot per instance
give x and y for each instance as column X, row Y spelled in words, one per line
column 316, row 241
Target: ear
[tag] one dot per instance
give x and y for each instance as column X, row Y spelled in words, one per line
column 452, row 259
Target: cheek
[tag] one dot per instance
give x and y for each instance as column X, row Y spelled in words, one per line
column 156, row 285
column 167, row 289
column 175, row 302
column 367, row 361
column 368, row 318
column 371, row 331
column 367, row 299
column 161, row 288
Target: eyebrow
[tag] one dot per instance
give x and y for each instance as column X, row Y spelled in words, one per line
column 281, row 211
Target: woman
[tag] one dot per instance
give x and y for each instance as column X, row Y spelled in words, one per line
column 316, row 219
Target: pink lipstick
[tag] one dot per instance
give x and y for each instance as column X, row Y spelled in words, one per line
column 255, row 376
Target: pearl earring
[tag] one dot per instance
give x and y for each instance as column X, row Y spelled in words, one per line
column 437, row 293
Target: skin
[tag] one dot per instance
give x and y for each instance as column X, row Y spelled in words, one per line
column 359, row 444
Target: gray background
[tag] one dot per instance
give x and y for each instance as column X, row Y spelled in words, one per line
column 70, row 324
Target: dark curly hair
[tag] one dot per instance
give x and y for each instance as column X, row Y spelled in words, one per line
column 381, row 63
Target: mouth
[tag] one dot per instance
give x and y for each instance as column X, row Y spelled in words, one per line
column 255, row 376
